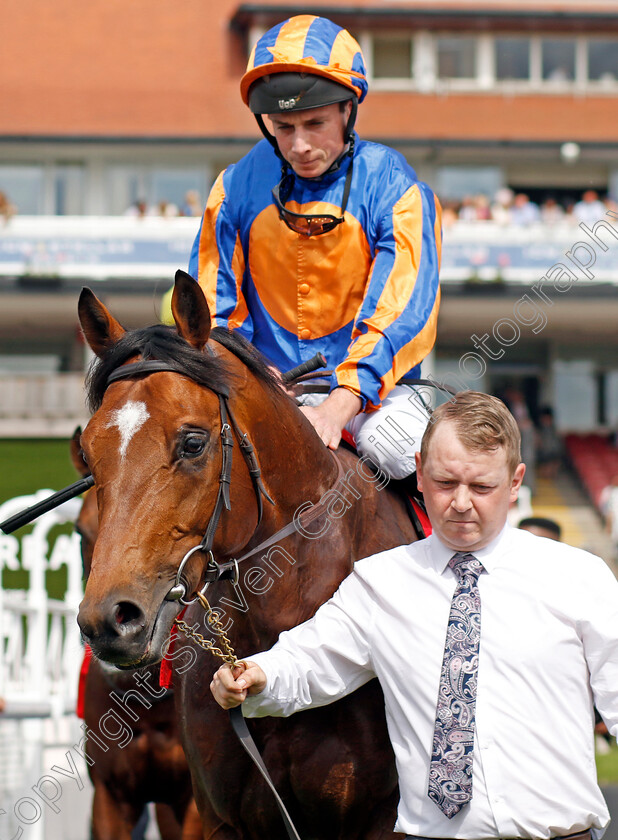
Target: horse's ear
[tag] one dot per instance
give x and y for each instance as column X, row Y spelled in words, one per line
column 76, row 453
column 100, row 328
column 190, row 311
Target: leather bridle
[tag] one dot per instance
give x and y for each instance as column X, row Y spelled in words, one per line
column 229, row 430
column 228, row 569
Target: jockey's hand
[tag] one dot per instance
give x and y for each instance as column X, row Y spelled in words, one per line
column 330, row 417
column 230, row 688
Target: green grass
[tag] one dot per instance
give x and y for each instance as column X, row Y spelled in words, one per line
column 30, row 465
column 607, row 766
column 25, row 467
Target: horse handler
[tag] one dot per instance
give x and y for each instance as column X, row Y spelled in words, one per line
column 491, row 645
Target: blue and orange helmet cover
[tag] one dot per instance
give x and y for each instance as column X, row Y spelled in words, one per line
column 308, row 44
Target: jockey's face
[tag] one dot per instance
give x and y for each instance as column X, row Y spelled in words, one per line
column 312, row 140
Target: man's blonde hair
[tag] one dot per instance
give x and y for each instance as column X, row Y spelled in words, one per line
column 482, row 423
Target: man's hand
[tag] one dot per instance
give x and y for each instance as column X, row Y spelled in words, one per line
column 230, row 688
column 330, row 417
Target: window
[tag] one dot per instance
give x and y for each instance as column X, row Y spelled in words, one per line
column 162, row 189
column 171, row 185
column 456, row 182
column 24, row 187
column 69, row 192
column 558, row 59
column 125, row 186
column 602, row 60
column 456, row 57
column 392, row 58
column 512, row 58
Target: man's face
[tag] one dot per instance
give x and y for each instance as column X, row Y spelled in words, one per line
column 311, row 141
column 467, row 493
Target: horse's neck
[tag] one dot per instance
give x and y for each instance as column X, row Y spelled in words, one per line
column 296, row 466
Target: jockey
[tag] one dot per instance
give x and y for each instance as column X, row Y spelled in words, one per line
column 317, row 241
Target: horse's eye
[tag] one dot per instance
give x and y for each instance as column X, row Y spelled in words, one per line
column 192, row 445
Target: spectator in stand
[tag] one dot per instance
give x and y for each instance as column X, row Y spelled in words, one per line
column 552, row 213
column 7, row 209
column 450, row 213
column 524, row 212
column 139, row 209
column 518, row 407
column 541, row 526
column 481, row 204
column 549, row 453
column 467, row 211
column 501, row 208
column 590, row 209
column 167, row 209
column 192, row 204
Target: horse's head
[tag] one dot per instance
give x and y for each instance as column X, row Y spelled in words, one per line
column 153, row 445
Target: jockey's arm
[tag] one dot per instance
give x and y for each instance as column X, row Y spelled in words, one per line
column 330, row 417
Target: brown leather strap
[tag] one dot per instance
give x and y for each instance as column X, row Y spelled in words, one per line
column 239, row 725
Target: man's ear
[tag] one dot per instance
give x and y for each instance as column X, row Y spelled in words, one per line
column 419, row 471
column 518, row 477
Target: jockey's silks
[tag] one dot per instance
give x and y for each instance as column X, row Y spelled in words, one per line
column 365, row 294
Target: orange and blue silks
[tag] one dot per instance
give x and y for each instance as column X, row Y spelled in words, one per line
column 365, row 294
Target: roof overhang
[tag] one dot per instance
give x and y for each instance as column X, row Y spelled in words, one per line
column 545, row 18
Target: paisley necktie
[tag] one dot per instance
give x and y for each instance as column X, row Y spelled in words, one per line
column 450, row 770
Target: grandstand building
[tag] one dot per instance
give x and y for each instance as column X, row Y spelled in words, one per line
column 126, row 103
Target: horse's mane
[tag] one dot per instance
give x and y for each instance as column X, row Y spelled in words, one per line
column 163, row 343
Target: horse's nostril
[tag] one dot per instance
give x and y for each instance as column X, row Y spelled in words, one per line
column 127, row 617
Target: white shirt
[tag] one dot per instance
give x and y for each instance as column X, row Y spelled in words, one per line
column 549, row 642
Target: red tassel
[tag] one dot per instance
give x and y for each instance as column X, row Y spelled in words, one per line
column 81, row 688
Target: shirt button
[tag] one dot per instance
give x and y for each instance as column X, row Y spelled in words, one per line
column 305, row 333
column 304, row 288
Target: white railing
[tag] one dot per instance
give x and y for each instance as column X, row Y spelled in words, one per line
column 40, row 658
column 96, row 247
column 121, row 248
column 41, row 405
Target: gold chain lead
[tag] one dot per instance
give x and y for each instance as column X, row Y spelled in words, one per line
column 227, row 654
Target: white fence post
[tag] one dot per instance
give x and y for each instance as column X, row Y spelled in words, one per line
column 40, row 657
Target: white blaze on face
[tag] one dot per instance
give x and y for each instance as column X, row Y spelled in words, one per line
column 129, row 419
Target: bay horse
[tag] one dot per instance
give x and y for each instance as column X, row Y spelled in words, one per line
column 151, row 765
column 169, row 405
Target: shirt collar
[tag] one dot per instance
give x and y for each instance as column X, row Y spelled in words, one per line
column 489, row 555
